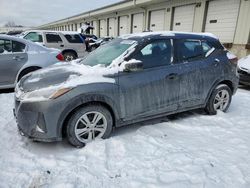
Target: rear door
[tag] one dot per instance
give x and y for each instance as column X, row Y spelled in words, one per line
column 198, row 71
column 12, row 57
column 54, row 40
column 154, row 89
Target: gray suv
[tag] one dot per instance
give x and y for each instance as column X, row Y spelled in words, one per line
column 71, row 44
column 131, row 79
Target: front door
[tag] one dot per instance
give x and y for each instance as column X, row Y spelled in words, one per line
column 153, row 90
column 12, row 57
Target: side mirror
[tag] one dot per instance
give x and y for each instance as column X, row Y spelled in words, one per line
column 133, row 66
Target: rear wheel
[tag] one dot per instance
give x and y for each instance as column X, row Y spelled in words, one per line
column 220, row 100
column 69, row 56
column 89, row 123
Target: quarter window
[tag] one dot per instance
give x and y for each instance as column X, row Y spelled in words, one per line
column 53, row 38
column 18, row 46
column 34, row 37
column 157, row 53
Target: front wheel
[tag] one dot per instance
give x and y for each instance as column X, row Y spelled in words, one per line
column 219, row 100
column 89, row 123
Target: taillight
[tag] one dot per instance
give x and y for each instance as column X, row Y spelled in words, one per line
column 60, row 57
column 232, row 58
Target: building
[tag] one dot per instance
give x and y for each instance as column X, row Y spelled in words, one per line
column 228, row 19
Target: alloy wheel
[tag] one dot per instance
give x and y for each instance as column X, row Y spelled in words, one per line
column 90, row 126
column 221, row 100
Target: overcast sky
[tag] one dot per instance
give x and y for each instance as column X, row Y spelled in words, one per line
column 38, row 12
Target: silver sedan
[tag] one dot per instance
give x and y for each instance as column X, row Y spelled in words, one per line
column 19, row 57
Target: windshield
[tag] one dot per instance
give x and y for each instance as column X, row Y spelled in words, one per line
column 105, row 54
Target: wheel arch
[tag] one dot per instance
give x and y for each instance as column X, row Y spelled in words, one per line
column 226, row 82
column 79, row 103
column 27, row 70
column 70, row 51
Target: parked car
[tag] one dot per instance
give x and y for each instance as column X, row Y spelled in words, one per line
column 71, row 44
column 130, row 79
column 19, row 57
column 93, row 44
column 244, row 70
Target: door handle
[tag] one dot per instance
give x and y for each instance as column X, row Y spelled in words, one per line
column 61, row 45
column 18, row 58
column 216, row 61
column 172, row 76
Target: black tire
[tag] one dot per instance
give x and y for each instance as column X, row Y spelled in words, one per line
column 75, row 118
column 210, row 107
column 69, row 56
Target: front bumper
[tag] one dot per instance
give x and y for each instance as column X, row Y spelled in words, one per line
column 244, row 77
column 40, row 120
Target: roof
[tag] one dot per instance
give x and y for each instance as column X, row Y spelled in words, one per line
column 169, row 34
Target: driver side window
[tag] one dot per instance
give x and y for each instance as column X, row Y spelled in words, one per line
column 156, row 53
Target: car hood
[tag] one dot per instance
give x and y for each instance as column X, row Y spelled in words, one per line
column 66, row 75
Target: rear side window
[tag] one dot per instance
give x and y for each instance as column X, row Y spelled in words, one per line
column 53, row 38
column 156, row 53
column 192, row 50
column 8, row 46
column 74, row 38
column 18, row 46
column 5, row 46
column 34, row 37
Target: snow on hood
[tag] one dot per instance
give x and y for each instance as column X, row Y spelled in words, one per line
column 244, row 63
column 67, row 75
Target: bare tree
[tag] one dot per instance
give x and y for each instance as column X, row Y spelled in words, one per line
column 10, row 24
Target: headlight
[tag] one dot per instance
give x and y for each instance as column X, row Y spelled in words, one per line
column 42, row 94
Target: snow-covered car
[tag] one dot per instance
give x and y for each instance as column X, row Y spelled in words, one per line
column 19, row 57
column 244, row 70
column 133, row 78
column 70, row 43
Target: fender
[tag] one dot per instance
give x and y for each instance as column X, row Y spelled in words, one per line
column 81, row 101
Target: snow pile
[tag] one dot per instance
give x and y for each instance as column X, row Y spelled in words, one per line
column 192, row 150
column 244, row 63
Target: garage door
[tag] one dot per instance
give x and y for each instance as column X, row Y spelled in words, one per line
column 103, row 27
column 111, row 27
column 222, row 19
column 123, row 25
column 157, row 20
column 137, row 22
column 95, row 30
column 183, row 18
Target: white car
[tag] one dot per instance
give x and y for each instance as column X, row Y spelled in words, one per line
column 70, row 43
column 19, row 57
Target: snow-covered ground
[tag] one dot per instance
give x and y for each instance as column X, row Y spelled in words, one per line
column 190, row 150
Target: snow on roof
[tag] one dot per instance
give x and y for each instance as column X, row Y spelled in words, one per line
column 166, row 33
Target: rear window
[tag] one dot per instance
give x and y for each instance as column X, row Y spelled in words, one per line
column 53, row 38
column 73, row 38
